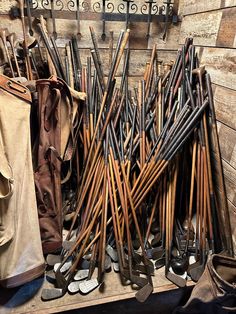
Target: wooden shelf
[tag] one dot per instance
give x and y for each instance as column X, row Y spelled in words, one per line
column 27, row 299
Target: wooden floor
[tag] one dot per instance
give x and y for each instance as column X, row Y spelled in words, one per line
column 27, row 299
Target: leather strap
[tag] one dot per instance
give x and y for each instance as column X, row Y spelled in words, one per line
column 15, row 88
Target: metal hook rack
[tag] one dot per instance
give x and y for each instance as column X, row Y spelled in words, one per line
column 105, row 10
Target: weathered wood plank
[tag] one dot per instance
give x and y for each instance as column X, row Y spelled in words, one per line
column 230, row 182
column 229, row 176
column 225, row 105
column 232, row 213
column 227, row 31
column 203, row 27
column 221, row 64
column 214, row 28
column 227, row 138
column 196, row 6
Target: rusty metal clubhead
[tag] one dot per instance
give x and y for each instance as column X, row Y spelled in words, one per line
column 177, row 280
column 144, row 292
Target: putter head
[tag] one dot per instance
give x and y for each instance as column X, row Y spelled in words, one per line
column 52, row 294
column 144, row 292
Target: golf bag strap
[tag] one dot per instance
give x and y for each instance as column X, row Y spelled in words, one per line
column 15, row 88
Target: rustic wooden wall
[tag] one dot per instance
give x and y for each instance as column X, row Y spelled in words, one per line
column 212, row 24
column 140, row 46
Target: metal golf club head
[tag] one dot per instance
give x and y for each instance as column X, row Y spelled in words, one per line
column 143, row 269
column 52, row 294
column 156, row 241
column 177, row 280
column 67, row 245
column 159, row 263
column 155, row 253
column 88, row 285
column 73, row 287
column 50, row 276
column 196, row 270
column 144, row 293
column 179, row 264
column 81, row 274
column 53, row 259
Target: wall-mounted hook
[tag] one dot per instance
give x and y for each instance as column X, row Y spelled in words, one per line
column 78, row 20
column 150, row 5
column 103, row 36
column 54, row 32
column 168, row 7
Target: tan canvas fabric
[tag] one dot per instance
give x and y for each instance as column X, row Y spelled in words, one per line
column 21, row 257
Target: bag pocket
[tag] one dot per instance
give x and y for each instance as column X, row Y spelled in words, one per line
column 7, row 221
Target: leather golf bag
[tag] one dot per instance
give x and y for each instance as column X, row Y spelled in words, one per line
column 215, row 292
column 21, row 257
column 56, row 115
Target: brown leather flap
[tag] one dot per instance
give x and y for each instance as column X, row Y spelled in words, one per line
column 14, row 88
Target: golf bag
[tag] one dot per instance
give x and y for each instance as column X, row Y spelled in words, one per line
column 215, row 292
column 21, row 257
column 57, row 114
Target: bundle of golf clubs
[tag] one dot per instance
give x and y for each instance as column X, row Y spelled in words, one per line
column 142, row 193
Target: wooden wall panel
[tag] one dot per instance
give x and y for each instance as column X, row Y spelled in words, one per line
column 230, row 182
column 196, row 6
column 214, row 28
column 221, row 64
column 227, row 138
column 232, row 212
column 225, row 105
